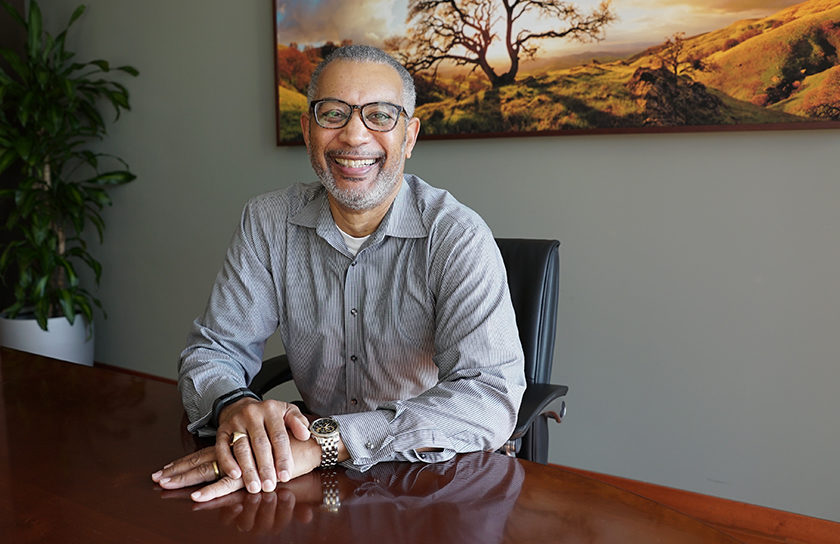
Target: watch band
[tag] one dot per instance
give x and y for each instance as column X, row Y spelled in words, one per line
column 227, row 399
column 329, row 451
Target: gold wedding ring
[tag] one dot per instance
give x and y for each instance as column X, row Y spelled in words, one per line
column 216, row 470
column 236, row 436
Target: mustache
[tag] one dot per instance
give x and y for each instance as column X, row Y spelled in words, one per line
column 352, row 153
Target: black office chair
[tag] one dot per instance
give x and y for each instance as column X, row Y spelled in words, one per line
column 533, row 269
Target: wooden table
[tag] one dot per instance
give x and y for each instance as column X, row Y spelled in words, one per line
column 78, row 445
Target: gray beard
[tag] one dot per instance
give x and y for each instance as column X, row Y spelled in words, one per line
column 359, row 199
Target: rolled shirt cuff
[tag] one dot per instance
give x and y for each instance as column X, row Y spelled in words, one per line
column 203, row 424
column 368, row 439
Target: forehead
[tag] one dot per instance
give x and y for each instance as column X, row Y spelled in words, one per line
column 360, row 82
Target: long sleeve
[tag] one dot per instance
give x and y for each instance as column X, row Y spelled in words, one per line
column 225, row 345
column 473, row 405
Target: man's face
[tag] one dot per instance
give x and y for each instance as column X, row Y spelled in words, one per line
column 360, row 168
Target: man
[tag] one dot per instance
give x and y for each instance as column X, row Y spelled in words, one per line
column 390, row 298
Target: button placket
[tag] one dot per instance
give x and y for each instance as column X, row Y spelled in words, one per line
column 353, row 286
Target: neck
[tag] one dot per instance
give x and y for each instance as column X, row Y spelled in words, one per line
column 360, row 223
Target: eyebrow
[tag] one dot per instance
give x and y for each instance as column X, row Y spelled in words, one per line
column 396, row 103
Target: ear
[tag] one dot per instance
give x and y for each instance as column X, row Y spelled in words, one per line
column 304, row 128
column 412, row 129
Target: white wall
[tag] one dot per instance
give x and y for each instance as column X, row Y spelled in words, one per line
column 700, row 306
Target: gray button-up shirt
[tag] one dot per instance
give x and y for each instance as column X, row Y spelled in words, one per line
column 411, row 343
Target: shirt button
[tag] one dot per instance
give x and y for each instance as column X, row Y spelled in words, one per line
column 353, row 263
column 354, row 358
column 369, row 446
column 354, row 312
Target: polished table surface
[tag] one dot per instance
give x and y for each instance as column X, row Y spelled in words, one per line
column 78, row 445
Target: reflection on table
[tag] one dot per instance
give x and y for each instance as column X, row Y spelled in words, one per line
column 77, row 446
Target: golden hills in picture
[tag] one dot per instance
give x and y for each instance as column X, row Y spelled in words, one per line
column 781, row 69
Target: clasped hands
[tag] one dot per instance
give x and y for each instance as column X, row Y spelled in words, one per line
column 276, row 448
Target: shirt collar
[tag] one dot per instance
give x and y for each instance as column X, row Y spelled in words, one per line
column 403, row 219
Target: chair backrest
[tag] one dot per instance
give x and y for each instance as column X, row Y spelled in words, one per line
column 533, row 270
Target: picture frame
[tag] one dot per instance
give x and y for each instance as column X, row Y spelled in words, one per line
column 582, row 67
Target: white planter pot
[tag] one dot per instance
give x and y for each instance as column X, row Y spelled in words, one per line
column 61, row 340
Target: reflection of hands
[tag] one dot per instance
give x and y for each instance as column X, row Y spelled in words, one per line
column 197, row 468
column 266, row 455
column 264, row 513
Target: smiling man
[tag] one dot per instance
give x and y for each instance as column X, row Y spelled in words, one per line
column 389, row 295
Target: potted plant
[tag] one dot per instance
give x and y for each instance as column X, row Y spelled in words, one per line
column 49, row 119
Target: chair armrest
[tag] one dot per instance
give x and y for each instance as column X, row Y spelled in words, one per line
column 274, row 371
column 539, row 398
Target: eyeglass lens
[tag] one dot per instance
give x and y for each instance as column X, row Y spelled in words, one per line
column 380, row 116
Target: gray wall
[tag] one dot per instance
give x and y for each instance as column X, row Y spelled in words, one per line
column 700, row 305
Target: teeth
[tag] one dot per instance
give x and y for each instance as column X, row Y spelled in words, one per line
column 355, row 163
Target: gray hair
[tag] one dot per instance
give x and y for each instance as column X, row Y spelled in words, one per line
column 366, row 53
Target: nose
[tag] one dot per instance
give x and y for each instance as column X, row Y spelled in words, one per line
column 355, row 132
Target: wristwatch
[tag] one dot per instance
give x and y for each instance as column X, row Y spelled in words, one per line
column 325, row 433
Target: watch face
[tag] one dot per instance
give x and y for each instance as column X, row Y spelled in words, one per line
column 325, row 425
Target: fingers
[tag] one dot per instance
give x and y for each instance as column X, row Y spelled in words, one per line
column 197, row 468
column 282, row 463
column 225, row 456
column 297, row 423
column 200, row 474
column 245, row 458
column 192, row 469
column 237, row 417
column 266, row 456
column 222, row 487
column 261, row 455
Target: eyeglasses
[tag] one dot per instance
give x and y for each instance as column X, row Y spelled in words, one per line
column 378, row 116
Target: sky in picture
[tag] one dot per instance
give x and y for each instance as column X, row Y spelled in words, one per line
column 641, row 23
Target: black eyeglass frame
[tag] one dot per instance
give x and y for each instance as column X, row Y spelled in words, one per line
column 353, row 107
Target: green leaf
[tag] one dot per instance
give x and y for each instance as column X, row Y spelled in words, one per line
column 8, row 252
column 76, row 14
column 7, row 158
column 42, row 312
column 23, row 147
column 101, row 64
column 96, row 266
column 14, row 13
column 41, row 286
column 84, row 307
column 75, row 194
column 117, row 177
column 66, row 301
column 34, row 24
column 131, row 70
column 98, row 223
column 98, row 196
column 16, row 63
column 12, row 311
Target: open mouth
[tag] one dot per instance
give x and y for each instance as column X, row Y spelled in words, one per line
column 355, row 163
column 355, row 168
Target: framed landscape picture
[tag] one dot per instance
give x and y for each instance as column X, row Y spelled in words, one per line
column 487, row 68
